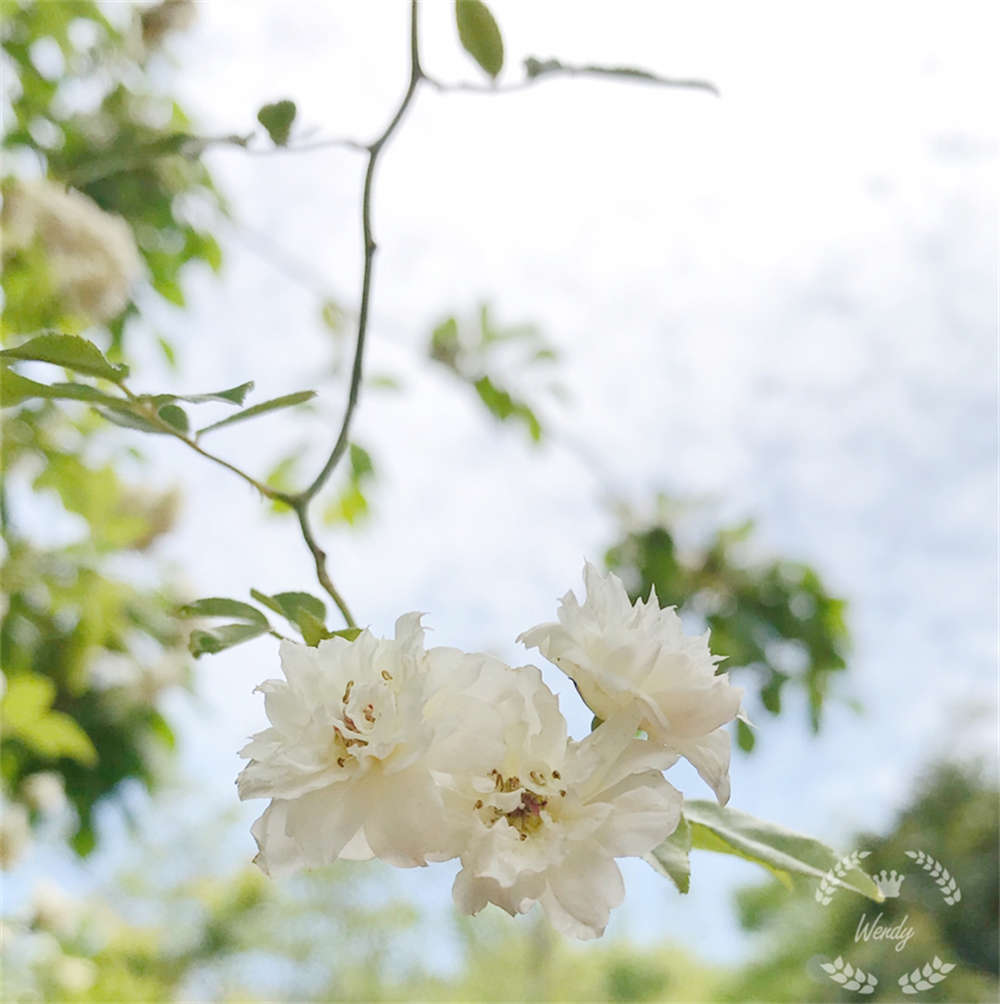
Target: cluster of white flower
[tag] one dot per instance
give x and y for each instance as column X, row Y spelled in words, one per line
column 383, row 748
column 91, row 255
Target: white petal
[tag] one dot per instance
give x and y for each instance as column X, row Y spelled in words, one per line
column 405, row 822
column 710, row 756
column 584, row 890
column 647, row 809
column 277, row 853
column 323, row 822
column 357, row 849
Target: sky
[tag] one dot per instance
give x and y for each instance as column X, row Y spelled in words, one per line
column 780, row 303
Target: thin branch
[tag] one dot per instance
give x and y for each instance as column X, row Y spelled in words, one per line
column 320, row 144
column 540, row 70
column 301, row 508
column 340, row 445
column 150, row 415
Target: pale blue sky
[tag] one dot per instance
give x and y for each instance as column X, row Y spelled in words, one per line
column 783, row 301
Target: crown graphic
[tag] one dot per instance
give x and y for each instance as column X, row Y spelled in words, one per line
column 888, row 883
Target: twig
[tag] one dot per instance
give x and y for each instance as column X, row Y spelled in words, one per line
column 539, row 70
column 340, row 445
column 149, row 414
column 320, row 144
column 319, row 558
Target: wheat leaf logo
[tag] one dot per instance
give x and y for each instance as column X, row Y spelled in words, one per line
column 833, row 879
column 850, row 977
column 943, row 879
column 923, row 979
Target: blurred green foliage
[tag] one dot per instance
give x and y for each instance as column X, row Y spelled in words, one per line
column 342, row 934
column 476, row 350
column 92, row 648
column 953, row 816
column 774, row 621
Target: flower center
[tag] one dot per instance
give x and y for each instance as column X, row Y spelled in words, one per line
column 357, row 721
column 526, row 814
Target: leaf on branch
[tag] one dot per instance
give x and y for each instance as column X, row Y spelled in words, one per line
column 252, row 623
column 220, row 606
column 480, row 35
column 303, row 610
column 350, row 634
column 277, row 119
column 69, row 351
column 350, row 505
column 123, row 415
column 503, row 406
column 783, row 852
column 212, row 640
column 287, row 401
column 15, row 388
column 672, row 857
column 175, row 417
column 234, row 395
column 745, row 736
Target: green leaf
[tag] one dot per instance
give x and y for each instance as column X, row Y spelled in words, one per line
column 672, row 857
column 333, row 316
column 783, row 852
column 28, row 696
column 220, row 606
column 69, row 351
column 26, row 713
column 502, row 406
column 349, row 507
column 361, row 462
column 304, row 611
column 209, row 641
column 445, row 343
column 288, row 401
column 745, row 736
column 15, row 388
column 124, row 416
column 175, row 417
column 234, row 395
column 350, row 634
column 277, row 119
column 479, row 34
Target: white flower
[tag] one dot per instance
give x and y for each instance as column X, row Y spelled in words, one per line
column 75, row 975
column 55, row 910
column 626, row 658
column 44, row 791
column 91, row 255
column 356, row 730
column 15, row 833
column 547, row 821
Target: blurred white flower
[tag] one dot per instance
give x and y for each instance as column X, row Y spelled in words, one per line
column 55, row 910
column 627, row 658
column 44, row 791
column 73, row 974
column 15, row 833
column 356, row 730
column 91, row 255
column 547, row 821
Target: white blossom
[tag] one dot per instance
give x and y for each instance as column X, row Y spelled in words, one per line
column 545, row 823
column 44, row 791
column 358, row 730
column 55, row 910
column 91, row 255
column 74, row 974
column 15, row 833
column 627, row 658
